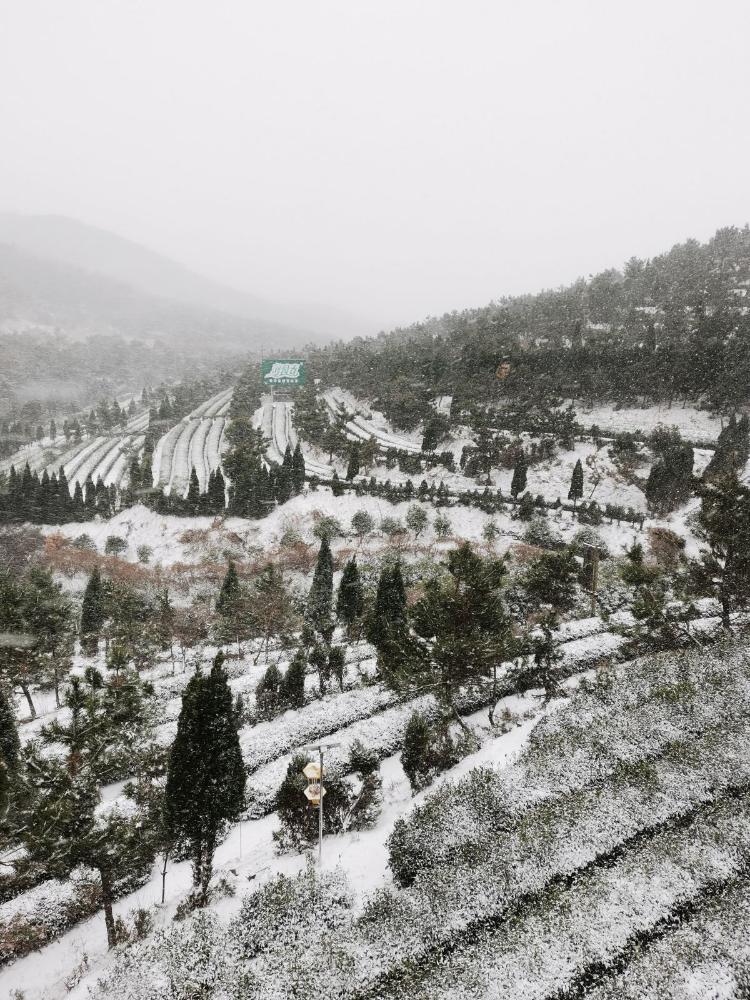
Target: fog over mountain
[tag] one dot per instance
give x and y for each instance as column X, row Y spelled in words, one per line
column 62, row 273
column 393, row 160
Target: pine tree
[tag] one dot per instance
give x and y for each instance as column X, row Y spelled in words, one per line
column 576, row 484
column 320, row 598
column 462, row 624
column 336, row 486
column 419, row 756
column 206, row 776
column 350, row 600
column 93, row 612
column 298, row 469
column 9, row 748
column 725, row 526
column 518, row 483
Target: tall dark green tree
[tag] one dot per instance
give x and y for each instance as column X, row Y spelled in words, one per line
column 298, row 469
column 461, row 622
column 231, row 605
column 576, row 484
column 352, row 469
column 293, row 687
column 389, row 613
column 193, row 498
column 518, row 482
column 93, row 612
column 725, row 526
column 9, row 748
column 350, row 600
column 670, row 481
column 320, row 598
column 206, row 776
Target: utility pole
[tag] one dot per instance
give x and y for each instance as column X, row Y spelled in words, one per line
column 315, row 791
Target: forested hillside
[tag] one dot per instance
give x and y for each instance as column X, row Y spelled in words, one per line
column 669, row 329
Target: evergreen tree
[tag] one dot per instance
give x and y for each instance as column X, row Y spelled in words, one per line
column 230, row 604
column 725, row 526
column 269, row 694
column 293, row 687
column 518, row 483
column 93, row 612
column 551, row 579
column 284, row 478
column 389, row 614
column 194, row 493
column 576, row 484
column 350, row 599
column 461, row 626
column 670, row 481
column 217, row 493
column 337, row 664
column 298, row 469
column 320, row 598
column 423, row 751
column 205, row 776
column 352, row 469
column 9, row 748
column 732, row 449
column 336, row 486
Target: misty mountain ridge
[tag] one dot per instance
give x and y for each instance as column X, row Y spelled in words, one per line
column 62, row 273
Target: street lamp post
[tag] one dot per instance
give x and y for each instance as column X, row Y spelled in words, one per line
column 314, row 774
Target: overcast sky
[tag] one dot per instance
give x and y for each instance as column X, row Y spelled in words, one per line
column 394, row 158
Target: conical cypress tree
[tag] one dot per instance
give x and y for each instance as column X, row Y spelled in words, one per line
column 90, row 492
column 193, row 493
column 64, row 500
column 293, row 687
column 206, row 776
column 350, row 600
column 352, row 468
column 268, row 694
column 298, row 469
column 93, row 612
column 320, row 599
column 78, row 504
column 284, row 485
column 218, row 496
column 229, row 594
column 390, row 604
column 576, row 484
column 518, row 483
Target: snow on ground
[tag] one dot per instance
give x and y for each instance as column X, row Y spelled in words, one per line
column 372, row 423
column 695, row 425
column 247, row 858
column 173, row 539
column 601, row 480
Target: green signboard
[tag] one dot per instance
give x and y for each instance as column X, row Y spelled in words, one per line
column 283, row 372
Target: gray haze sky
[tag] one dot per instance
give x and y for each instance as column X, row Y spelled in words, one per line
column 391, row 158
